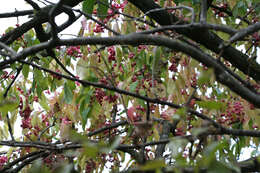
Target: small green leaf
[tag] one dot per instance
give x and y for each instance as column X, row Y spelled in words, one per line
column 88, row 6
column 240, row 9
column 133, row 86
column 175, row 145
column 198, row 131
column 102, row 9
column 44, row 103
column 155, row 164
column 91, row 149
column 180, row 113
column 85, row 114
column 71, row 85
column 115, row 143
column 68, row 94
column 195, row 2
column 205, row 77
column 162, row 2
column 7, row 105
column 42, row 84
column 211, row 104
column 25, row 70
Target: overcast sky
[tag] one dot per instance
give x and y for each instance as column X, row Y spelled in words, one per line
column 12, row 5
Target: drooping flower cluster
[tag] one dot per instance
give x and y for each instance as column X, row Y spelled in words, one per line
column 74, row 51
column 25, row 114
column 173, row 66
column 234, row 113
column 101, row 96
column 111, row 54
column 3, row 160
column 98, row 28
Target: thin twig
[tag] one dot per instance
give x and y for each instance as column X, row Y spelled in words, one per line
column 203, row 11
column 33, row 4
column 172, row 8
column 44, row 130
column 13, row 80
column 20, row 159
column 10, row 127
column 147, row 111
column 52, row 19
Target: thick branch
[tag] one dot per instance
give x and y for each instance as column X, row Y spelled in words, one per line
column 206, row 38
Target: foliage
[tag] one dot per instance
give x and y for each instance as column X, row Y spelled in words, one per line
column 142, row 87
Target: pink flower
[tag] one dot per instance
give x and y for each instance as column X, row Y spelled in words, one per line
column 26, row 123
column 84, row 23
column 3, row 160
column 66, row 120
column 98, row 28
column 74, row 51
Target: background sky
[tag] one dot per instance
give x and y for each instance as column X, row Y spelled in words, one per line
column 19, row 5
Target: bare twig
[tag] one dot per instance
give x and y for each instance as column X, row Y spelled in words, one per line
column 244, row 32
column 44, row 130
column 16, row 13
column 10, row 127
column 33, row 4
column 172, row 8
column 203, row 11
column 13, row 80
column 20, row 159
column 52, row 19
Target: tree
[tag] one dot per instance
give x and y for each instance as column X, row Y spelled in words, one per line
column 144, row 86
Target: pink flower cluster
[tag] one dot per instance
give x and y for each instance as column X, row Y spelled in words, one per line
column 99, row 94
column 111, row 13
column 25, row 114
column 131, row 55
column 74, row 51
column 234, row 113
column 26, row 123
column 111, row 54
column 98, row 28
column 3, row 160
column 5, row 75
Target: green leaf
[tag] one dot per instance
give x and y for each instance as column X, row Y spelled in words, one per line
column 240, row 9
column 25, row 70
column 115, row 143
column 84, row 72
column 88, row 6
column 7, row 104
column 102, row 9
column 180, row 113
column 85, row 114
column 40, row 81
column 44, row 103
column 205, row 77
column 198, row 131
column 155, row 164
column 180, row 1
column 175, row 146
column 39, row 167
column 133, row 86
column 91, row 149
column 162, row 2
column 71, row 85
column 195, row 2
column 68, row 94
column 211, row 105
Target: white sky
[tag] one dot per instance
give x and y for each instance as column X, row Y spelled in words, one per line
column 19, row 5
